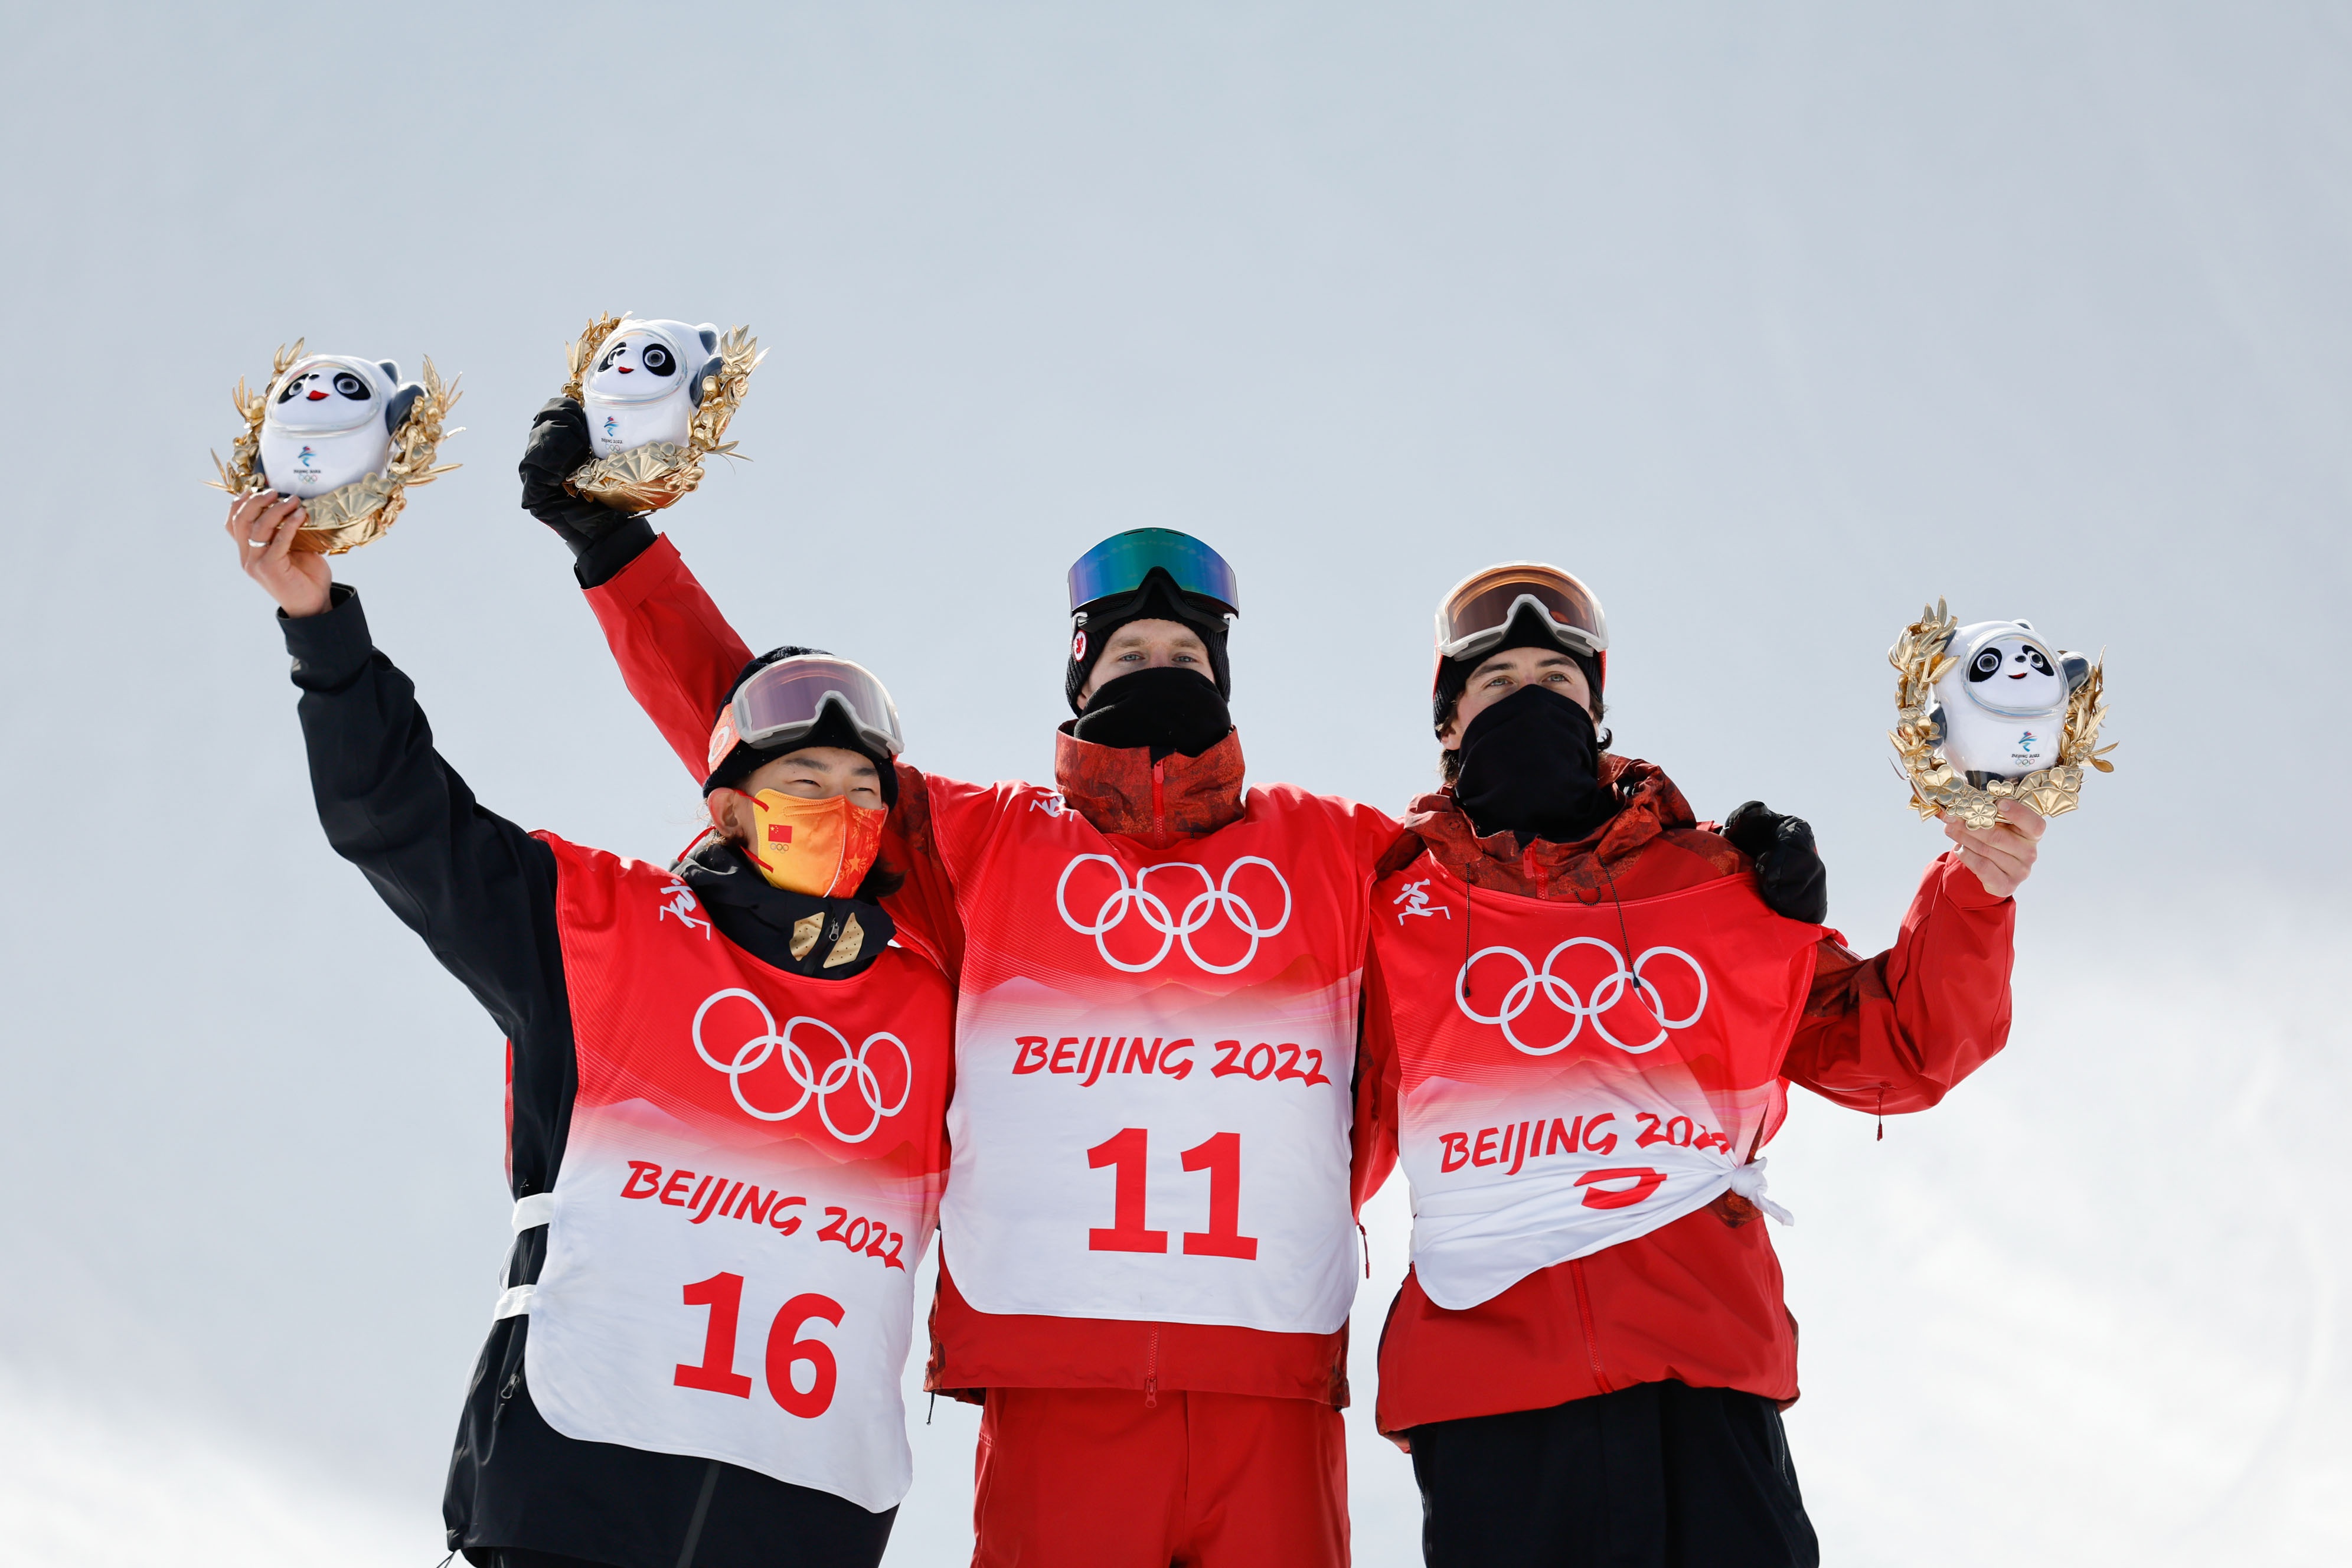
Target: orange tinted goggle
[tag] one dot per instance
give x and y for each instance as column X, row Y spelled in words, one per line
column 1474, row 616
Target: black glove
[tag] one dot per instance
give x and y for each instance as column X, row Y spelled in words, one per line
column 1789, row 871
column 556, row 450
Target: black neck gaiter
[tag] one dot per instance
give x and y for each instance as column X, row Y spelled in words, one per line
column 1168, row 710
column 765, row 920
column 1530, row 766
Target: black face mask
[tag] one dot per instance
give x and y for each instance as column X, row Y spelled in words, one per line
column 1168, row 710
column 1531, row 766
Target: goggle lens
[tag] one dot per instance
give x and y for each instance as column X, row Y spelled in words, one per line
column 1118, row 566
column 1482, row 606
column 784, row 700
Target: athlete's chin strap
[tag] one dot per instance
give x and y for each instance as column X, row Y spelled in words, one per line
column 515, row 1300
column 1748, row 1181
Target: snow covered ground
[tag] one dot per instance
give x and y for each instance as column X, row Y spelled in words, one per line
column 1770, row 323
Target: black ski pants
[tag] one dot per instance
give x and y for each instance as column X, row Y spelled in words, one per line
column 1657, row 1476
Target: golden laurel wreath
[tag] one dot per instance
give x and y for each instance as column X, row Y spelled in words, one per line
column 1920, row 660
column 349, row 517
column 651, row 477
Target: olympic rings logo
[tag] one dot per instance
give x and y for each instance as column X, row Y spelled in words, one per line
column 1564, row 996
column 1199, row 909
column 852, row 1067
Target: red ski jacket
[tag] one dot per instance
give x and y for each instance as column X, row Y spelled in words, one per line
column 679, row 656
column 1698, row 1300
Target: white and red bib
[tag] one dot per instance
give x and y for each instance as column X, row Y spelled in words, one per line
column 1154, row 1051
column 1573, row 1076
column 751, row 1176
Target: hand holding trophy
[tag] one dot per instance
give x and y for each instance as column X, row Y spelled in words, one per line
column 342, row 437
column 1989, row 713
column 656, row 396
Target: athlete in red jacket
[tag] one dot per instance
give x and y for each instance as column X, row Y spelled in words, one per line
column 1149, row 1249
column 1217, row 934
column 1581, row 1026
column 1149, row 1246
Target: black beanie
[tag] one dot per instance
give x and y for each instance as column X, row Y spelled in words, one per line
column 1157, row 600
column 1526, row 630
column 832, row 730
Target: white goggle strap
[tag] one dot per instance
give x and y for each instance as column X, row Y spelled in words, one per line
column 1575, row 639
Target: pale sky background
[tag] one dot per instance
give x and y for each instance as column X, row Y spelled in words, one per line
column 1769, row 321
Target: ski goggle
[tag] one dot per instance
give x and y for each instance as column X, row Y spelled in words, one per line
column 1474, row 617
column 783, row 702
column 1117, row 567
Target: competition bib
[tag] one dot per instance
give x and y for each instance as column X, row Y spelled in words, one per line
column 1573, row 1076
column 1153, row 1062
column 751, row 1179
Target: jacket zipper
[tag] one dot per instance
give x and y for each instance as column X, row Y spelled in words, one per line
column 1591, row 1338
column 1159, row 803
column 1151, row 1371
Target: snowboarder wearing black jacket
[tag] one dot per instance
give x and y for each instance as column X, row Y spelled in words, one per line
column 681, row 1372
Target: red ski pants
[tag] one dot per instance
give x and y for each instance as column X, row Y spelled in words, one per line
column 1094, row 1478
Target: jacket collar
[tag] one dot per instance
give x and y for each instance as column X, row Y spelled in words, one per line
column 1121, row 790
column 794, row 932
column 1649, row 806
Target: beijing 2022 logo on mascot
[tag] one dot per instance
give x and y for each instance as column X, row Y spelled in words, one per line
column 1989, row 712
column 342, row 434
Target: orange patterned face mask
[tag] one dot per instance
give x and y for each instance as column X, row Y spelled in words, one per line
column 824, row 848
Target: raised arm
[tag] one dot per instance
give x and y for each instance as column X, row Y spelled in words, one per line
column 678, row 655
column 478, row 889
column 679, row 658
column 1896, row 1032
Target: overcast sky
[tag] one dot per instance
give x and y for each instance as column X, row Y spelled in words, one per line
column 1770, row 321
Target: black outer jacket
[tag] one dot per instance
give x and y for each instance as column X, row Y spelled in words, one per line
column 481, row 892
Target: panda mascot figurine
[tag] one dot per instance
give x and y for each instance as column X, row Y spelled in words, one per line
column 645, row 383
column 1999, row 710
column 330, row 423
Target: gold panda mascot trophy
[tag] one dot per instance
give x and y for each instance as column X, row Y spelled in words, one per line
column 343, row 436
column 657, row 395
column 1989, row 712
